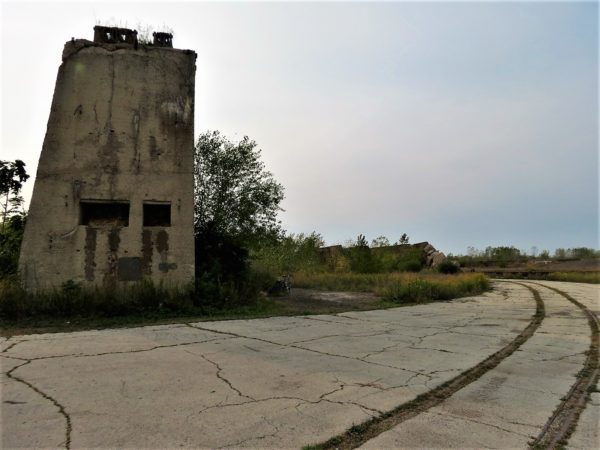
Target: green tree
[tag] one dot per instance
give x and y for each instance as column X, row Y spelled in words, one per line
column 292, row 253
column 12, row 177
column 560, row 253
column 361, row 257
column 582, row 253
column 235, row 196
column 403, row 239
column 380, row 241
column 236, row 201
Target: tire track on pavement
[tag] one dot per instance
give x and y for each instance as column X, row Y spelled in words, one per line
column 360, row 434
column 561, row 424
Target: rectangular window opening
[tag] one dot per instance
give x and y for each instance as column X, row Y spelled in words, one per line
column 157, row 214
column 104, row 213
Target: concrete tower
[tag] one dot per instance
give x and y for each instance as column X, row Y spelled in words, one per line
column 113, row 196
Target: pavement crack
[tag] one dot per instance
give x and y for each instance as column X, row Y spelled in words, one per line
column 61, row 408
column 220, row 376
column 121, row 352
column 370, row 411
column 12, row 346
column 437, row 350
column 227, row 333
column 14, row 357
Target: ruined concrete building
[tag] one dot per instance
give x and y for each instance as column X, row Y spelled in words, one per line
column 113, row 195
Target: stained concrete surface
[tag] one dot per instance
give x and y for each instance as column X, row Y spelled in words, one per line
column 285, row 382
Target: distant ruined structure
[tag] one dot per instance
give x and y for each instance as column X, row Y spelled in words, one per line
column 429, row 256
column 113, row 195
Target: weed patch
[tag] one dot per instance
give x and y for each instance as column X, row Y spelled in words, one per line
column 398, row 287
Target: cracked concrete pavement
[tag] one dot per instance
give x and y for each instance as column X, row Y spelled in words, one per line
column 292, row 381
column 509, row 406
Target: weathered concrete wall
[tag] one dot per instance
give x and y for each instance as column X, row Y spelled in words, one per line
column 120, row 129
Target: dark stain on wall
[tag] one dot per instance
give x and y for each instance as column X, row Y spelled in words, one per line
column 162, row 246
column 147, row 251
column 153, row 148
column 162, row 242
column 90, row 253
column 114, row 239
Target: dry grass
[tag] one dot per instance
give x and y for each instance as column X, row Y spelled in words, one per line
column 577, row 277
column 399, row 287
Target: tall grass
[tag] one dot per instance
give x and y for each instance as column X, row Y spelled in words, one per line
column 577, row 277
column 75, row 300
column 398, row 287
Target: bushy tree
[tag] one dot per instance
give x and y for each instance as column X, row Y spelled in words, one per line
column 236, row 202
column 380, row 241
column 583, row 253
column 291, row 253
column 12, row 177
column 403, row 239
column 235, row 196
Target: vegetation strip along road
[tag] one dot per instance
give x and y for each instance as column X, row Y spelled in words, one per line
column 359, row 434
column 564, row 419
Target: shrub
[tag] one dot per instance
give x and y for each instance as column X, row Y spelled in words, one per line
column 412, row 265
column 448, row 267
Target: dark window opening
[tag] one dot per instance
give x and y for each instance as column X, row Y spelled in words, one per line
column 97, row 213
column 157, row 215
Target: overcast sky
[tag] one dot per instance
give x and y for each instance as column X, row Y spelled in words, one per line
column 459, row 123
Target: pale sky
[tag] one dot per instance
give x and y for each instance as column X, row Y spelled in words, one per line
column 459, row 123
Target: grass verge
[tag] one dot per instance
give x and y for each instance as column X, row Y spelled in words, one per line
column 297, row 304
column 74, row 308
column 399, row 287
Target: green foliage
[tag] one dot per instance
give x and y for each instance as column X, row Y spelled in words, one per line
column 234, row 195
column 289, row 254
column 448, row 267
column 380, row 241
column 12, row 177
column 503, row 256
column 303, row 253
column 544, row 254
column 419, row 289
column 398, row 287
column 577, row 277
column 412, row 265
column 236, row 203
column 582, row 253
column 403, row 239
column 11, row 235
column 361, row 257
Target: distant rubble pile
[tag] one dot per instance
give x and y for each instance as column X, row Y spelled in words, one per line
column 433, row 257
